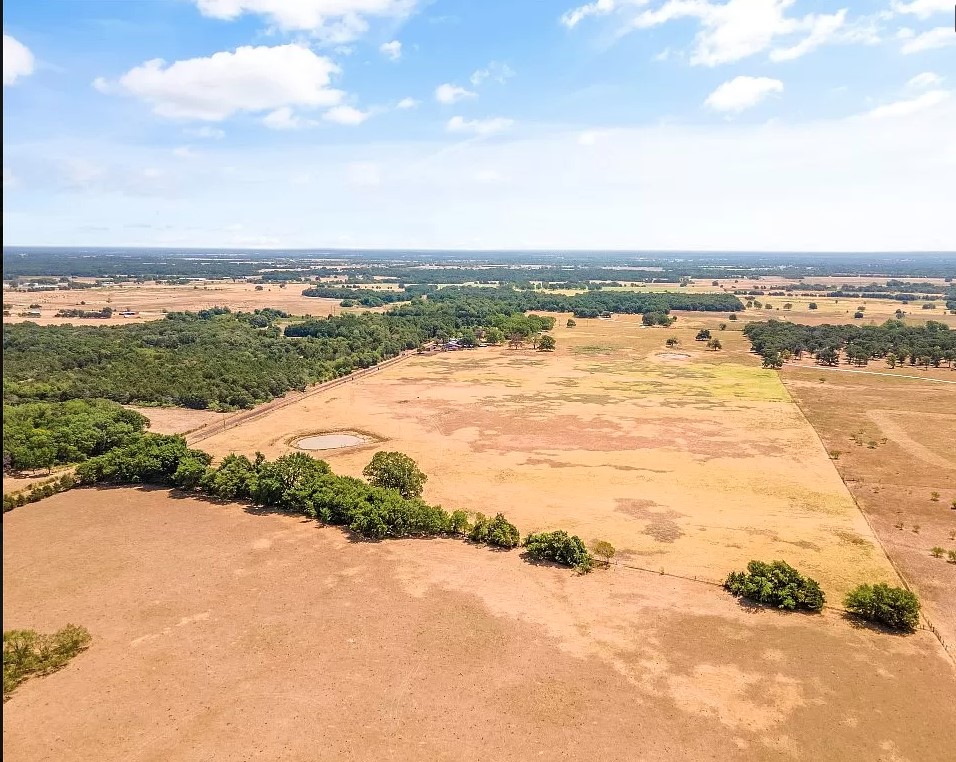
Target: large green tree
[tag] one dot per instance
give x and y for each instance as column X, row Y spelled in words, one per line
column 395, row 470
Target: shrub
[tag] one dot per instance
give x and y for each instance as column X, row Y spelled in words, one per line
column 458, row 523
column 497, row 531
column 937, row 552
column 894, row 607
column 546, row 343
column 951, row 556
column 702, row 335
column 26, row 653
column 605, row 551
column 776, row 584
column 559, row 547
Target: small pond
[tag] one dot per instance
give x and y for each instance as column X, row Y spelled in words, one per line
column 332, row 441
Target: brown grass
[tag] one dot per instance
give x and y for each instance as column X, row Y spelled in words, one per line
column 219, row 634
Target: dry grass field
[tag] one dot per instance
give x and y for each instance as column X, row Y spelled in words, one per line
column 894, row 448
column 219, row 634
column 152, row 300
column 686, row 460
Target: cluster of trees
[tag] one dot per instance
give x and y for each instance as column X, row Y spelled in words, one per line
column 776, row 584
column 365, row 297
column 106, row 312
column 930, row 345
column 560, row 547
column 45, row 434
column 27, row 653
column 593, row 303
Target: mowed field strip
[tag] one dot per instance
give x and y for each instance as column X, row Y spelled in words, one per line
column 686, row 460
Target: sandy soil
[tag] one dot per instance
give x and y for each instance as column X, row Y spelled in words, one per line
column 218, row 634
column 894, row 447
column 152, row 300
column 177, row 420
column 694, row 466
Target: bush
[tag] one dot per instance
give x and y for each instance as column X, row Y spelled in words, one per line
column 497, row 531
column 604, row 550
column 561, row 548
column 546, row 343
column 27, row 653
column 776, row 584
column 894, row 607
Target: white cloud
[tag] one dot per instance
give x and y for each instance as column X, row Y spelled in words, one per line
column 940, row 37
column 742, row 93
column 923, row 9
column 284, row 118
column 406, row 103
column 206, row 132
column 392, row 50
column 346, row 115
column 735, row 29
column 335, row 21
column 822, row 29
column 924, row 80
column 17, row 60
column 497, row 72
column 185, row 152
column 923, row 102
column 575, row 16
column 479, row 126
column 363, row 174
column 100, row 84
column 449, row 93
column 250, row 79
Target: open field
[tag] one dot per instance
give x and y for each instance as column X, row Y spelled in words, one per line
column 218, row 634
column 694, row 464
column 152, row 300
column 902, row 454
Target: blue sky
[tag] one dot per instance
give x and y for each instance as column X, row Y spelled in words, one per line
column 615, row 124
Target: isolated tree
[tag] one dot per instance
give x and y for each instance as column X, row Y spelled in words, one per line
column 395, row 470
column 894, row 607
column 715, row 344
column 937, row 551
column 604, row 550
column 672, row 342
column 732, row 316
column 722, row 326
column 702, row 335
column 571, row 323
column 813, row 306
column 546, row 343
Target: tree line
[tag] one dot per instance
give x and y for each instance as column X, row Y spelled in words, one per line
column 928, row 345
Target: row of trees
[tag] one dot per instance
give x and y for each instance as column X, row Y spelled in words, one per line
column 389, row 504
column 930, row 345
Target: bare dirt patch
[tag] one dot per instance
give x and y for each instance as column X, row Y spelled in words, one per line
column 221, row 634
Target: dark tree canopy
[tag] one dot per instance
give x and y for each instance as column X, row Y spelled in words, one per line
column 395, row 470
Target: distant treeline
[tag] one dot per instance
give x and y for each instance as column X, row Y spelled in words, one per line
column 365, row 297
column 592, row 303
column 445, row 268
column 929, row 345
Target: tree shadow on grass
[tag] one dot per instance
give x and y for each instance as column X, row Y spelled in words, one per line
column 859, row 623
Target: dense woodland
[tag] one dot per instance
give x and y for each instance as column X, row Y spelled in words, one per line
column 932, row 344
column 44, row 434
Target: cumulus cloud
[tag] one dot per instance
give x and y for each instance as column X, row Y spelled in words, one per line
column 251, row 79
column 392, row 50
column 479, row 126
column 940, row 37
column 17, row 60
column 923, row 9
column 742, row 93
column 575, row 16
column 185, row 152
column 924, row 80
column 823, row 28
column 923, row 102
column 336, row 21
column 406, row 103
column 449, row 93
column 496, row 72
column 346, row 115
